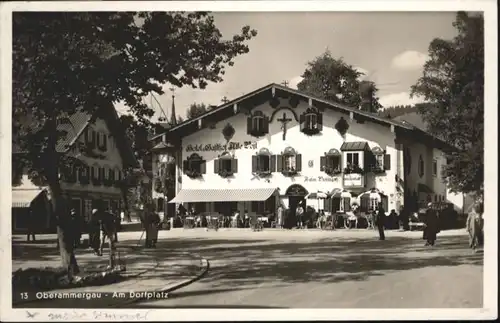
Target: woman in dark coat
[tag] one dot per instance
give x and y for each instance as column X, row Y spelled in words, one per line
column 431, row 229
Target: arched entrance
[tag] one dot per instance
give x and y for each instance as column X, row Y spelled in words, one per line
column 296, row 197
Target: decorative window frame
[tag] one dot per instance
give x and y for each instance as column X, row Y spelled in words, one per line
column 307, row 126
column 328, row 165
column 219, row 162
column 187, row 166
column 290, row 152
column 251, row 121
column 258, row 157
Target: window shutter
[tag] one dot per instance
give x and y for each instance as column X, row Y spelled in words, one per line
column 265, row 122
column 254, row 164
column 302, row 120
column 249, row 125
column 101, row 173
column 387, row 161
column 92, row 172
column 94, row 139
column 216, row 166
column 298, row 162
column 104, row 142
column 322, row 163
column 185, row 166
column 272, row 161
column 320, row 121
column 203, row 167
column 234, row 165
column 365, row 203
column 279, row 163
column 88, row 136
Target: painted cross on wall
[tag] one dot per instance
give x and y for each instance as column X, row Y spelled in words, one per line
column 284, row 120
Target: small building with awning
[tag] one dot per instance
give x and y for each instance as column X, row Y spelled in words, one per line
column 31, row 209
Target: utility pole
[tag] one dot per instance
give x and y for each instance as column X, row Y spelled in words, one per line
column 224, row 100
column 284, row 83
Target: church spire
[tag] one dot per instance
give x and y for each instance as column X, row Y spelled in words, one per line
column 173, row 119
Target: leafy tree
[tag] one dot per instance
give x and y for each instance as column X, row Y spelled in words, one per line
column 397, row 110
column 196, row 110
column 453, row 84
column 180, row 119
column 335, row 80
column 65, row 62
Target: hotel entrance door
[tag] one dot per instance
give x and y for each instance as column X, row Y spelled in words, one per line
column 296, row 196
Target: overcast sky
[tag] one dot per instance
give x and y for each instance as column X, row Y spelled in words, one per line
column 391, row 47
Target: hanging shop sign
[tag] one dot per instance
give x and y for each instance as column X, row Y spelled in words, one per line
column 222, row 147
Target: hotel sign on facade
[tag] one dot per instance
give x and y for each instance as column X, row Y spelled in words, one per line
column 354, row 180
column 221, row 147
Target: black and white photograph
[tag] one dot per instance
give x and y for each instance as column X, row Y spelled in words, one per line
column 248, row 160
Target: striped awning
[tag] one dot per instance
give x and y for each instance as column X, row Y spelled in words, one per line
column 23, row 198
column 223, row 195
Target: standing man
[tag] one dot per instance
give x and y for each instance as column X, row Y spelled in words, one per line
column 94, row 231
column 299, row 211
column 107, row 222
column 431, row 223
column 474, row 228
column 380, row 221
column 279, row 216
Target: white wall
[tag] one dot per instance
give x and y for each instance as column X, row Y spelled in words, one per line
column 311, row 148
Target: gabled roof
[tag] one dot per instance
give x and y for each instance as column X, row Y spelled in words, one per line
column 78, row 123
column 261, row 95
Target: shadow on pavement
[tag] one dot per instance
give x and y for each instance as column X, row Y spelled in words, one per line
column 244, row 263
column 247, row 263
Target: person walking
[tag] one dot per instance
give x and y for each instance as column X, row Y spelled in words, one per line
column 431, row 228
column 75, row 228
column 380, row 221
column 94, row 231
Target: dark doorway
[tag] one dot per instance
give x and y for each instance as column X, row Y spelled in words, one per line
column 296, row 197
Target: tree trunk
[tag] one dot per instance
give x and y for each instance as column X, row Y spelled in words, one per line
column 65, row 234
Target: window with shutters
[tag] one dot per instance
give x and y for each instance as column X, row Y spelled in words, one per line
column 95, row 175
column 331, row 162
column 194, row 166
column 311, row 122
column 226, row 165
column 257, row 124
column 289, row 162
column 263, row 162
column 378, row 161
column 84, row 175
column 90, row 138
column 434, row 167
column 102, row 142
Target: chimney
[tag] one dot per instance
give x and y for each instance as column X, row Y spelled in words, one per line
column 366, row 94
column 173, row 119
